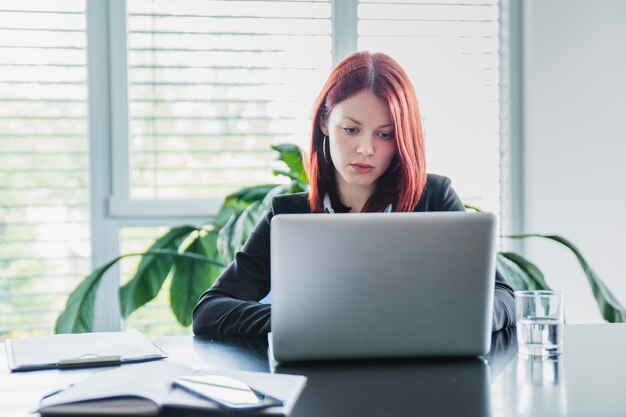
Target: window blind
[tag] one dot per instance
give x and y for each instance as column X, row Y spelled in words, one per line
column 44, row 232
column 450, row 50
column 212, row 84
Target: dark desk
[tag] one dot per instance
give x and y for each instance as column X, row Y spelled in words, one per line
column 586, row 380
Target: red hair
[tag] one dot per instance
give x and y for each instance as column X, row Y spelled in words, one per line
column 382, row 76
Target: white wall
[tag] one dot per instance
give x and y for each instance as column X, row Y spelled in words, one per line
column 575, row 143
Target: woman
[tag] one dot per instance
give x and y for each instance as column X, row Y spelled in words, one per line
column 366, row 155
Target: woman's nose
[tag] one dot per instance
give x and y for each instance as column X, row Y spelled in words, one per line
column 366, row 145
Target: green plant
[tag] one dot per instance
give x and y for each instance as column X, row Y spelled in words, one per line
column 195, row 256
column 524, row 275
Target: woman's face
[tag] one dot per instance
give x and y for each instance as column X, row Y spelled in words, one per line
column 361, row 139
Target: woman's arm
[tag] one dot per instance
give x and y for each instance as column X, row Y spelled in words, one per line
column 230, row 307
column 503, row 304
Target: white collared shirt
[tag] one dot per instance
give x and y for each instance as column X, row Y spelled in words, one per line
column 328, row 208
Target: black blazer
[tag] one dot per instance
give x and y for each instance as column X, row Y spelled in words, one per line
column 231, row 306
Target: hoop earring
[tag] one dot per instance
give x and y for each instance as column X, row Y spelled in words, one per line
column 324, row 144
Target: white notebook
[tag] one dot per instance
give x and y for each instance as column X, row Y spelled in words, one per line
column 146, row 388
column 80, row 350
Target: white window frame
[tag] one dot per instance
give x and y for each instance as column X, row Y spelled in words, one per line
column 344, row 17
column 511, row 123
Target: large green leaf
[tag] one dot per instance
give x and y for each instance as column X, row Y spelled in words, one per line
column 246, row 222
column 610, row 308
column 190, row 278
column 532, row 275
column 235, row 232
column 225, row 240
column 77, row 317
column 224, row 214
column 517, row 278
column 471, row 207
column 238, row 201
column 152, row 271
column 290, row 154
column 266, row 203
column 78, row 314
column 248, row 195
column 293, row 176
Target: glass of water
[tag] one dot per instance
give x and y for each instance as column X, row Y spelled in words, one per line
column 539, row 322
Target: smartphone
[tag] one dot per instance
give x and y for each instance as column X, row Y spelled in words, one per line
column 227, row 392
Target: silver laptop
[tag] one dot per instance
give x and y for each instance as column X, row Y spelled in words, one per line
column 379, row 285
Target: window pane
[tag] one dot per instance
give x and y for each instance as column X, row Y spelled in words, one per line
column 451, row 53
column 44, row 221
column 212, row 84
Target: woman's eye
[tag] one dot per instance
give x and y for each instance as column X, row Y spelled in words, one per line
column 385, row 135
column 350, row 130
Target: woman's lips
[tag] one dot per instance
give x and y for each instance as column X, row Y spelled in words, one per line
column 362, row 168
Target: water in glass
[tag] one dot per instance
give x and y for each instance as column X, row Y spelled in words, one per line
column 539, row 336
